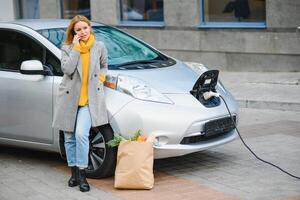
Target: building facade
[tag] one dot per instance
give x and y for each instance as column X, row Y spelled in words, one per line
column 233, row 35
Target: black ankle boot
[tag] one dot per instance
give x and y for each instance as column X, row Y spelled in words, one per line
column 73, row 181
column 83, row 184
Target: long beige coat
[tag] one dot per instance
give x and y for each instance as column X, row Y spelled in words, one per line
column 66, row 106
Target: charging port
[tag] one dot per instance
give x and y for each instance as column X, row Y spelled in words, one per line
column 205, row 83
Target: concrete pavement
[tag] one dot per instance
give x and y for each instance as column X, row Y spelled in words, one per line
column 264, row 90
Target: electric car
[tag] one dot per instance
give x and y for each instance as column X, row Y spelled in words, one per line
column 145, row 90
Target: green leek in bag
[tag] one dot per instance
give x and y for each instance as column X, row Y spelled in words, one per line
column 118, row 138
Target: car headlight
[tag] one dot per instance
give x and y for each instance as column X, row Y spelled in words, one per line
column 196, row 67
column 135, row 88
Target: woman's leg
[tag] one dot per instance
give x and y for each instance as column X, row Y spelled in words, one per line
column 82, row 131
column 70, row 146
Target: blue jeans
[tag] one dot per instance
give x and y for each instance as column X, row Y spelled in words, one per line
column 77, row 145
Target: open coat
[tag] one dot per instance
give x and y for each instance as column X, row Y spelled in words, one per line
column 67, row 99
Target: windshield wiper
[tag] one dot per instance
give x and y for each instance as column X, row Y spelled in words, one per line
column 137, row 62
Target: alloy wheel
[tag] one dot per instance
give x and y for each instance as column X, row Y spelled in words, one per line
column 97, row 151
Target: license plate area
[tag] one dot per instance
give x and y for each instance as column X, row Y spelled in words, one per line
column 218, row 126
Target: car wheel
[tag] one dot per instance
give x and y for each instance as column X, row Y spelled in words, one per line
column 102, row 158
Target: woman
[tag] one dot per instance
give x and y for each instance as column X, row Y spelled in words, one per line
column 80, row 101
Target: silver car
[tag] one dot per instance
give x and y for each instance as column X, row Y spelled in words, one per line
column 145, row 90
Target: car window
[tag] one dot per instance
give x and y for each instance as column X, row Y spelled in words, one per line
column 53, row 63
column 16, row 48
column 55, row 35
column 122, row 48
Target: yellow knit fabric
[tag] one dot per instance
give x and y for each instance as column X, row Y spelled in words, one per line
column 102, row 77
column 84, row 49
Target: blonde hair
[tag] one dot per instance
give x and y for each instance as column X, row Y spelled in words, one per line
column 70, row 30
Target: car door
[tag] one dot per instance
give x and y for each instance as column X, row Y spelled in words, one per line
column 25, row 100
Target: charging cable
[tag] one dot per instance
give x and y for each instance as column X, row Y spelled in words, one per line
column 208, row 95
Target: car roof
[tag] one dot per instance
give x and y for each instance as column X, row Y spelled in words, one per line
column 39, row 24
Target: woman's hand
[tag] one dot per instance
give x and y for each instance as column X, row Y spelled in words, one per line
column 76, row 39
column 102, row 77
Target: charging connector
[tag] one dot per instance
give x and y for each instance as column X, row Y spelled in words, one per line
column 210, row 94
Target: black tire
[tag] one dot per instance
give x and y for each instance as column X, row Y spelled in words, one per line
column 102, row 158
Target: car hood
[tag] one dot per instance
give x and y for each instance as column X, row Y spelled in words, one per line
column 178, row 78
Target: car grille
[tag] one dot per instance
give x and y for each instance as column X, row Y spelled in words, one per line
column 212, row 129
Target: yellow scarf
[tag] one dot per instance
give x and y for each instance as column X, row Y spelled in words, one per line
column 84, row 49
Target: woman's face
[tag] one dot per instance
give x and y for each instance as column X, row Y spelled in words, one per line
column 83, row 30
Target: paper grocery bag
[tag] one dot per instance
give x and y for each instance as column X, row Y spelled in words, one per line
column 134, row 168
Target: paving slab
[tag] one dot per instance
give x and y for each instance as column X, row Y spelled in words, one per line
column 264, row 90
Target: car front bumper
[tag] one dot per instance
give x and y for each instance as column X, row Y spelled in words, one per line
column 170, row 123
column 172, row 150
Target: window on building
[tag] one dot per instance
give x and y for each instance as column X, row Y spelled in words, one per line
column 27, row 9
column 141, row 11
column 70, row 8
column 233, row 13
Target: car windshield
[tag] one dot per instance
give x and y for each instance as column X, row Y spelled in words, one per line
column 123, row 50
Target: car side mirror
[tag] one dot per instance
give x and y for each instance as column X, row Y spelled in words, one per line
column 32, row 67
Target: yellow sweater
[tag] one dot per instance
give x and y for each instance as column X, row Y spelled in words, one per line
column 84, row 49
